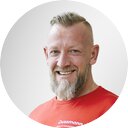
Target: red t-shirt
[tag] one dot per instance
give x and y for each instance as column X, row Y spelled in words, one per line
column 74, row 112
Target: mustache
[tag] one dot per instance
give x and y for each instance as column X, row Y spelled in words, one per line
column 65, row 69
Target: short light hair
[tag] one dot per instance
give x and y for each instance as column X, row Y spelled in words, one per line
column 70, row 18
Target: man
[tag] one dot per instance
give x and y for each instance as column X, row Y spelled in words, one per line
column 70, row 52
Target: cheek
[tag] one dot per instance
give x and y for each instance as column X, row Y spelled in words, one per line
column 79, row 61
column 80, row 64
column 51, row 63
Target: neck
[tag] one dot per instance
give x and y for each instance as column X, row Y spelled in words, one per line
column 89, row 86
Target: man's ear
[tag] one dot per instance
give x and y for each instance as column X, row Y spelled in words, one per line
column 46, row 53
column 94, row 54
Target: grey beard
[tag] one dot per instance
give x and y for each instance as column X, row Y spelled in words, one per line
column 65, row 90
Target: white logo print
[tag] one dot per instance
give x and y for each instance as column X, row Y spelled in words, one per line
column 68, row 124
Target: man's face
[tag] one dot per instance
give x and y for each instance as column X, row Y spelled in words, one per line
column 68, row 54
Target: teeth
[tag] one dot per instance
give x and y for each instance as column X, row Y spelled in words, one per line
column 64, row 73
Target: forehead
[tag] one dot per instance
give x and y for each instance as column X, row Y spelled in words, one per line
column 75, row 33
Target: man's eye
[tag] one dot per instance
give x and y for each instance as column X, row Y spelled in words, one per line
column 74, row 51
column 54, row 53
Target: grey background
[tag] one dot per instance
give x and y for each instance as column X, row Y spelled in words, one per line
column 23, row 66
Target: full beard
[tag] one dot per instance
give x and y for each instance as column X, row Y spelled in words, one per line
column 66, row 90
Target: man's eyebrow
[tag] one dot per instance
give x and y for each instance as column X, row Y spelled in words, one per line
column 52, row 47
column 76, row 46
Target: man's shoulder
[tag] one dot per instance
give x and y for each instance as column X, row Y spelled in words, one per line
column 41, row 108
column 108, row 96
column 104, row 99
column 46, row 104
column 108, row 93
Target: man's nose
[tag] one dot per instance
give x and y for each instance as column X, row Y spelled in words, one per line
column 63, row 60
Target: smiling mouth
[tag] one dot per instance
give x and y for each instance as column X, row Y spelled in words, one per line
column 65, row 72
